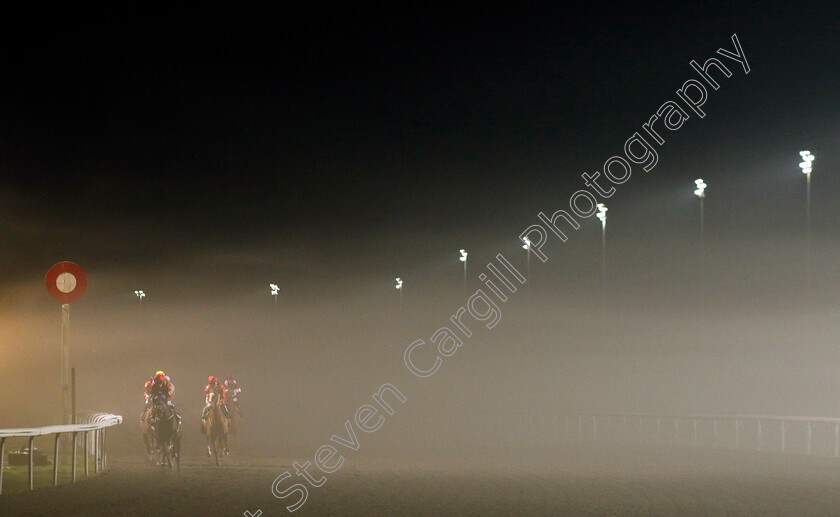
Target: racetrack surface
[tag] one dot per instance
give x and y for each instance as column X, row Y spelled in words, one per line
column 679, row 483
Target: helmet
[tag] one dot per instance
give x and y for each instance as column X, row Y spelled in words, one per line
column 212, row 379
column 160, row 372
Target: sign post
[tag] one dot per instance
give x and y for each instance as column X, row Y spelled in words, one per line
column 66, row 282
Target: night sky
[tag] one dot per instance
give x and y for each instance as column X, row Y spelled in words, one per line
column 202, row 155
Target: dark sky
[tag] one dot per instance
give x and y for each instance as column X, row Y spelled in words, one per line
column 196, row 152
column 333, row 123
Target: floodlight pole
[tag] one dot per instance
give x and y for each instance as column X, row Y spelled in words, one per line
column 463, row 259
column 700, row 192
column 702, row 247
column 527, row 248
column 807, row 166
column 66, row 418
column 602, row 216
column 604, row 256
column 808, row 213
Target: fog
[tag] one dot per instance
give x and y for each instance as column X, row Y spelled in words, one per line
column 338, row 153
column 755, row 342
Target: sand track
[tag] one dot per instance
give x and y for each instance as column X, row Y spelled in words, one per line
column 604, row 483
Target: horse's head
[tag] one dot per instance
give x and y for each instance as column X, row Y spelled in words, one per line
column 212, row 398
column 159, row 399
column 158, row 408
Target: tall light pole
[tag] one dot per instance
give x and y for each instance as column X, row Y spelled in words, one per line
column 399, row 287
column 527, row 247
column 275, row 290
column 141, row 295
column 807, row 165
column 463, row 258
column 602, row 215
column 700, row 192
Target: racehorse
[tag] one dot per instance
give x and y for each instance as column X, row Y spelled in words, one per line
column 149, row 435
column 235, row 417
column 215, row 428
column 166, row 427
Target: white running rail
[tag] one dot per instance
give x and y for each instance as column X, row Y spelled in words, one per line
column 756, row 432
column 94, row 429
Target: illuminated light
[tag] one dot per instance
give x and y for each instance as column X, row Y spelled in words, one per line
column 399, row 283
column 701, row 188
column 140, row 294
column 527, row 245
column 806, row 165
column 275, row 289
column 602, row 213
column 463, row 257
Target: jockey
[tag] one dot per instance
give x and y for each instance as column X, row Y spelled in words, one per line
column 160, row 383
column 232, row 387
column 213, row 386
column 147, row 393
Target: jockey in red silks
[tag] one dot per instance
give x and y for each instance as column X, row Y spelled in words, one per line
column 213, row 386
column 160, row 383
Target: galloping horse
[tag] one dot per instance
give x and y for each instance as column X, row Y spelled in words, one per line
column 235, row 417
column 167, row 432
column 149, row 435
column 215, row 428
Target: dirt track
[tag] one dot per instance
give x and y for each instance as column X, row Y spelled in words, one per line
column 682, row 484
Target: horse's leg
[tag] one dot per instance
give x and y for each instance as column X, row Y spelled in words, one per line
column 148, row 446
column 217, row 450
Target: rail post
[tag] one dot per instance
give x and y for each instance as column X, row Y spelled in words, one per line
column 87, row 452
column 55, row 459
column 694, row 434
column 104, row 455
column 808, row 449
column 73, row 467
column 676, row 430
column 641, row 438
column 715, row 433
column 31, row 463
column 836, row 440
column 2, row 456
column 783, row 436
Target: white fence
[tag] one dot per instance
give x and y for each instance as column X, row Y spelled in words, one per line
column 92, row 432
column 791, row 434
column 811, row 436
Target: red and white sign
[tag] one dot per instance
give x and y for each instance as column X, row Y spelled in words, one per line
column 66, row 282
